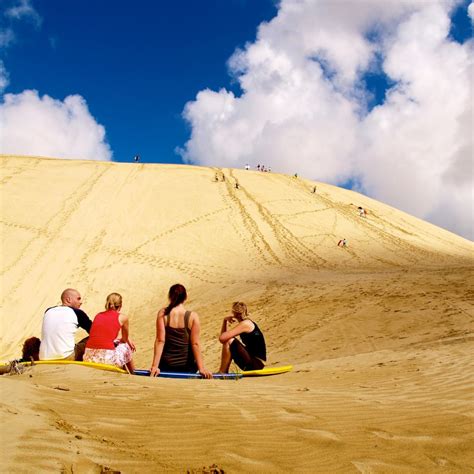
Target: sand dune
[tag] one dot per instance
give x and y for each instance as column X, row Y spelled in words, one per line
column 380, row 333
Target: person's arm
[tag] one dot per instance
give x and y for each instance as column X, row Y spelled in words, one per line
column 83, row 320
column 123, row 320
column 159, row 343
column 244, row 326
column 196, row 345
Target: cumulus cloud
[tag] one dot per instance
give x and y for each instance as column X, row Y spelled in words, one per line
column 43, row 126
column 304, row 106
column 3, row 77
column 21, row 10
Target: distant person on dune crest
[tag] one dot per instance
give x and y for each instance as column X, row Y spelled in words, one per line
column 249, row 351
column 60, row 324
column 342, row 243
column 103, row 346
column 136, row 158
column 177, row 343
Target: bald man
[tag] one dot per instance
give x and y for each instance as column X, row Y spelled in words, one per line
column 60, row 324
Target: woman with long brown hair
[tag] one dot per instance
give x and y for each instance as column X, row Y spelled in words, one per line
column 177, row 344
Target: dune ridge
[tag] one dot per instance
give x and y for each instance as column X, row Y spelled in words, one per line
column 380, row 333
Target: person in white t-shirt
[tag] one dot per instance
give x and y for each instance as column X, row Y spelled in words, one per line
column 60, row 324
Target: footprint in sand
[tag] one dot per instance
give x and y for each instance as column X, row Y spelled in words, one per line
column 247, row 415
column 321, row 434
column 289, row 414
column 370, row 466
column 390, row 436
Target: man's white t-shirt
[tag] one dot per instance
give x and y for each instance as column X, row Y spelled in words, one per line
column 60, row 324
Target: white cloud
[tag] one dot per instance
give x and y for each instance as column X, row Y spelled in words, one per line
column 470, row 11
column 304, row 107
column 22, row 9
column 42, row 126
column 3, row 77
column 6, row 37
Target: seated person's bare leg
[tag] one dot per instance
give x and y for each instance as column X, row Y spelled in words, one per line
column 226, row 357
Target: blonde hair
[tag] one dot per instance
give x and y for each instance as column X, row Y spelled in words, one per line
column 113, row 301
column 240, row 308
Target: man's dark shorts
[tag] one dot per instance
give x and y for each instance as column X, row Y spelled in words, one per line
column 243, row 359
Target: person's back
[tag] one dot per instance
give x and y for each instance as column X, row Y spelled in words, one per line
column 103, row 346
column 57, row 333
column 255, row 342
column 104, row 330
column 60, row 324
column 177, row 351
column 177, row 345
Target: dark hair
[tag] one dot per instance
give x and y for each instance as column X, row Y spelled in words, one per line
column 177, row 295
column 30, row 349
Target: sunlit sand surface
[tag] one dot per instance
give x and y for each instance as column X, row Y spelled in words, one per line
column 380, row 333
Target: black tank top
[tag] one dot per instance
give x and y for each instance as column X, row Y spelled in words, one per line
column 177, row 353
column 255, row 342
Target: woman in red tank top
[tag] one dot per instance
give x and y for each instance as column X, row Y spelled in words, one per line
column 103, row 346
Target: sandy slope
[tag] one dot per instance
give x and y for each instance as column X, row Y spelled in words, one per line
column 380, row 333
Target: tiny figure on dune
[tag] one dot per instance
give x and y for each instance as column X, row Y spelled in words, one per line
column 295, row 175
column 247, row 167
column 269, row 170
column 362, row 212
column 258, row 167
column 342, row 243
column 236, row 184
column 314, row 190
column 136, row 158
column 216, row 177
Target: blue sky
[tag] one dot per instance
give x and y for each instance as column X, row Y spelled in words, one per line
column 136, row 63
column 370, row 95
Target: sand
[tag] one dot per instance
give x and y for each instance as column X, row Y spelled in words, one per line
column 380, row 333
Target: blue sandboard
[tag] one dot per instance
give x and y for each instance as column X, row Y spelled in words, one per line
column 186, row 375
column 232, row 376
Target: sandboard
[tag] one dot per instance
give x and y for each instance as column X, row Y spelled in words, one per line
column 94, row 365
column 233, row 376
column 267, row 371
column 174, row 375
column 187, row 375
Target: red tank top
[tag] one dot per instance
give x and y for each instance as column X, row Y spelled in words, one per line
column 104, row 330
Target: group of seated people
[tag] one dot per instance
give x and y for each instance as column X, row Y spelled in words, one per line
column 177, row 343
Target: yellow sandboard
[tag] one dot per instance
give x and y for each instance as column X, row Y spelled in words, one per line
column 267, row 371
column 94, row 365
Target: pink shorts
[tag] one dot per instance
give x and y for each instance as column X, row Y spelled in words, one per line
column 119, row 356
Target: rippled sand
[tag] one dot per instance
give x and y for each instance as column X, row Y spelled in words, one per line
column 380, row 333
